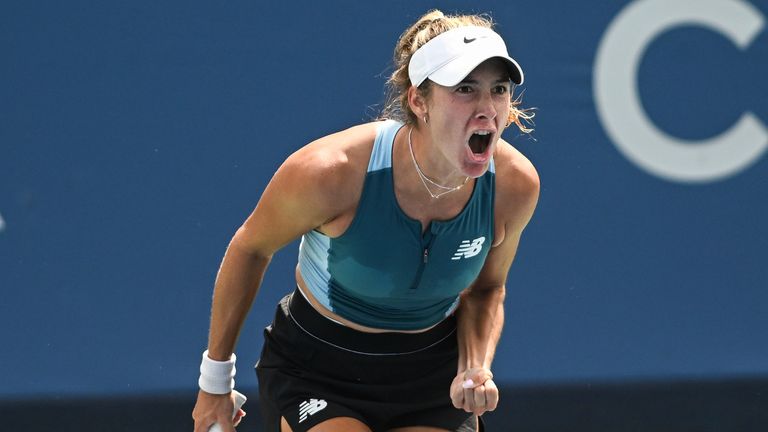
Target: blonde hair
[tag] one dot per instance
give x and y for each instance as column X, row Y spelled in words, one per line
column 425, row 28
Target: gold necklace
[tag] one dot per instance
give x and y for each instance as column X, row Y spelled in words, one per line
column 425, row 179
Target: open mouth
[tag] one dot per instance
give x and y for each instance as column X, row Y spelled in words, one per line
column 479, row 142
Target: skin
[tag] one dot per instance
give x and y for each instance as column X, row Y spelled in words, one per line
column 319, row 186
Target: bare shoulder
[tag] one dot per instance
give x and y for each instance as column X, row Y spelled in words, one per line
column 329, row 172
column 517, row 185
column 316, row 184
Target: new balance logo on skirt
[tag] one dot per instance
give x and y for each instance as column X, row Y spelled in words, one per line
column 311, row 407
column 469, row 249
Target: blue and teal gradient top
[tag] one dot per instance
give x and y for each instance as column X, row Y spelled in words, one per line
column 383, row 272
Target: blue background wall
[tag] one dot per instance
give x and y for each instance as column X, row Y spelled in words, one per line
column 135, row 138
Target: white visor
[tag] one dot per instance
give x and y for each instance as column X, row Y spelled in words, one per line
column 450, row 56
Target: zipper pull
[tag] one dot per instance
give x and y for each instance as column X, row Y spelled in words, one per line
column 426, row 255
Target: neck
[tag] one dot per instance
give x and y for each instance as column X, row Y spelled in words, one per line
column 433, row 187
column 438, row 174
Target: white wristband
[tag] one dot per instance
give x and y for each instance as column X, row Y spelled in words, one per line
column 217, row 377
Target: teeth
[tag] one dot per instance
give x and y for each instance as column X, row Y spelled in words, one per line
column 483, row 132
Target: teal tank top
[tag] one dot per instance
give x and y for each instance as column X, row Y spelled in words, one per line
column 382, row 272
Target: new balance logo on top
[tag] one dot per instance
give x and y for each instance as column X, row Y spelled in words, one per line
column 469, row 249
column 311, row 407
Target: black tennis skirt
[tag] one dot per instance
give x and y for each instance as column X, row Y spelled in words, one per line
column 313, row 369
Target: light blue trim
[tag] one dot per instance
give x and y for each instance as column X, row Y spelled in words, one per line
column 453, row 307
column 313, row 265
column 381, row 155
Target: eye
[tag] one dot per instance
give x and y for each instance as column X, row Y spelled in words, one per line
column 464, row 89
column 501, row 89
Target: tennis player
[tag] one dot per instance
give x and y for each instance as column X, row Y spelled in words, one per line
column 408, row 228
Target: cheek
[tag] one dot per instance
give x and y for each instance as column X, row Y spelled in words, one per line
column 504, row 118
column 503, row 107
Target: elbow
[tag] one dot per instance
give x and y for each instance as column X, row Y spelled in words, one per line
column 243, row 244
column 498, row 292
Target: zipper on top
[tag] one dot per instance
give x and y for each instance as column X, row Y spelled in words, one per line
column 426, row 243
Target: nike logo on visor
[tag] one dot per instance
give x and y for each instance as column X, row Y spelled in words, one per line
column 468, row 40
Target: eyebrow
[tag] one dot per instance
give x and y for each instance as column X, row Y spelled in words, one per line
column 474, row 81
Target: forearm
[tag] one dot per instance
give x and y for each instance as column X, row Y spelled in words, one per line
column 237, row 283
column 480, row 320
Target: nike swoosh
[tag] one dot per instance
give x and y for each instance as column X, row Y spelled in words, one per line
column 468, row 40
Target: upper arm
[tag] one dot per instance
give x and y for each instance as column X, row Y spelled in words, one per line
column 310, row 188
column 517, row 193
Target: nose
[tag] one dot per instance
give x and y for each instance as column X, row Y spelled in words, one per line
column 485, row 106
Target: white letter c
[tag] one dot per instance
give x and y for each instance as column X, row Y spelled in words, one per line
column 618, row 101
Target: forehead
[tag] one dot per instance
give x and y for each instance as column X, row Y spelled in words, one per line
column 492, row 69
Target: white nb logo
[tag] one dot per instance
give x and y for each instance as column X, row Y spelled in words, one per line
column 311, row 407
column 469, row 249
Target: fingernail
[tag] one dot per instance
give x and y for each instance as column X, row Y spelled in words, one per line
column 468, row 384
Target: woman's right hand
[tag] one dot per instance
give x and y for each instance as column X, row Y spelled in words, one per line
column 211, row 408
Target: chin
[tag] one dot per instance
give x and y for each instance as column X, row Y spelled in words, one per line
column 475, row 169
column 475, row 165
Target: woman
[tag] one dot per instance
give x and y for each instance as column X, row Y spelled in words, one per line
column 409, row 227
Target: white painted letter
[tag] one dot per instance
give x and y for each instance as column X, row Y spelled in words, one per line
column 618, row 100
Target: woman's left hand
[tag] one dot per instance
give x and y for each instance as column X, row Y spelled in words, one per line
column 474, row 391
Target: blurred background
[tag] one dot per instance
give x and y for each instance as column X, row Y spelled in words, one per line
column 135, row 137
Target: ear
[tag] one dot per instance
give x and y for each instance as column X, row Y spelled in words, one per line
column 417, row 102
